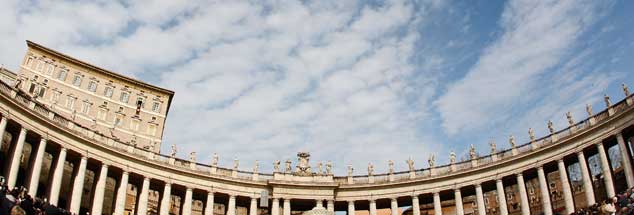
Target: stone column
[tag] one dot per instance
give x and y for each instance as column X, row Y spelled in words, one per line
column 37, row 168
column 480, row 200
column 350, row 207
column 100, row 190
column 275, row 207
column 543, row 189
column 119, row 205
column 165, row 201
column 372, row 207
column 437, row 205
column 15, row 159
column 78, row 186
column 287, row 207
column 394, row 206
column 501, row 197
column 143, row 196
column 187, row 206
column 319, row 203
column 209, row 207
column 330, row 205
column 627, row 163
column 3, row 127
column 523, row 196
column 231, row 206
column 415, row 205
column 56, row 184
column 458, row 199
column 587, row 182
column 607, row 174
column 563, row 176
column 253, row 207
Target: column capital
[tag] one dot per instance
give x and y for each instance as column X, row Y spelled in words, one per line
column 63, row 149
column 23, row 129
column 191, row 189
column 498, row 180
column 540, row 167
column 414, row 196
column 519, row 174
column 43, row 140
column 478, row 185
column 125, row 173
column 350, row 201
column 599, row 144
column 456, row 190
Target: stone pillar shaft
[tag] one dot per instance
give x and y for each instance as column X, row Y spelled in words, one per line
column 253, row 207
column 394, row 206
column 78, row 186
column 543, row 189
column 523, row 195
column 121, row 194
column 351, row 208
column 587, row 182
column 480, row 200
column 501, row 197
column 187, row 206
column 275, row 207
column 415, row 205
column 165, row 201
column 209, row 207
column 372, row 207
column 458, row 198
column 56, row 184
column 607, row 174
column 100, row 190
column 143, row 196
column 319, row 203
column 3, row 127
column 15, row 159
column 437, row 205
column 287, row 207
column 37, row 168
column 231, row 206
column 627, row 163
column 330, row 205
column 563, row 176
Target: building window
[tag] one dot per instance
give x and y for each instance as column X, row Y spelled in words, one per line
column 118, row 121
column 40, row 65
column 102, row 114
column 55, row 97
column 77, row 80
column 85, row 108
column 70, row 103
column 42, row 92
column 92, row 86
column 62, row 75
column 134, row 125
column 125, row 96
column 140, row 102
column 29, row 61
column 107, row 92
column 32, row 88
column 49, row 70
column 151, row 129
column 156, row 107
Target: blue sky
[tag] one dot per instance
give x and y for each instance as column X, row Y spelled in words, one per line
column 349, row 81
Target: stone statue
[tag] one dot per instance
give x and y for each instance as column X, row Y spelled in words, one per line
column 350, row 169
column 329, row 168
column 303, row 165
column 276, row 166
column 288, row 166
column 452, row 157
column 214, row 161
column 550, row 127
column 410, row 164
column 570, row 120
column 256, row 166
column 370, row 168
column 531, row 134
column 236, row 163
column 512, row 141
column 173, row 154
column 608, row 103
column 192, row 157
column 390, row 164
column 320, row 168
column 625, row 90
column 493, row 147
column 432, row 160
column 472, row 152
column 589, row 109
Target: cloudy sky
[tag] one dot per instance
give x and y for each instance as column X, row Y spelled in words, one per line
column 349, row 81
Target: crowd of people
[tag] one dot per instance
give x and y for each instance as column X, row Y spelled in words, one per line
column 621, row 204
column 18, row 202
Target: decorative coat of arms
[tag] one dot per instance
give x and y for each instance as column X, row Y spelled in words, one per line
column 303, row 165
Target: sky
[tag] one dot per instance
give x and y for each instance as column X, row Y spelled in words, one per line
column 348, row 81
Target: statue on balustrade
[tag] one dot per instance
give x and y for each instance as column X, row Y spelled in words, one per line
column 452, row 157
column 173, row 153
column 472, row 152
column 390, row 164
column 214, row 161
column 192, row 157
column 432, row 161
column 303, row 164
column 608, row 103
column 350, row 169
column 569, row 117
column 410, row 164
column 551, row 129
column 370, row 169
column 320, row 167
column 329, row 168
column 625, row 90
column 276, row 166
column 589, row 109
column 236, row 163
column 512, row 141
column 531, row 134
column 493, row 146
column 288, row 168
column 256, row 166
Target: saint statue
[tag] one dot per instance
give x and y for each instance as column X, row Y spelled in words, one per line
column 589, row 109
column 370, row 168
column 512, row 141
column 625, row 90
column 432, row 160
column 550, row 127
column 329, row 168
column 472, row 152
column 173, row 153
column 236, row 163
column 410, row 164
column 493, row 147
column 531, row 134
column 214, row 161
column 608, row 103
column 570, row 120
column 390, row 164
column 350, row 169
column 452, row 157
column 192, row 157
column 288, row 166
column 276, row 166
column 256, row 166
column 320, row 168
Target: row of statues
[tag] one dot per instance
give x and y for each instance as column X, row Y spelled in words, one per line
column 304, row 168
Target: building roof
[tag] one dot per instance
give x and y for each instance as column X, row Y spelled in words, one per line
column 170, row 93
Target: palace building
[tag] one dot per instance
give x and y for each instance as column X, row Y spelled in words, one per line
column 88, row 140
